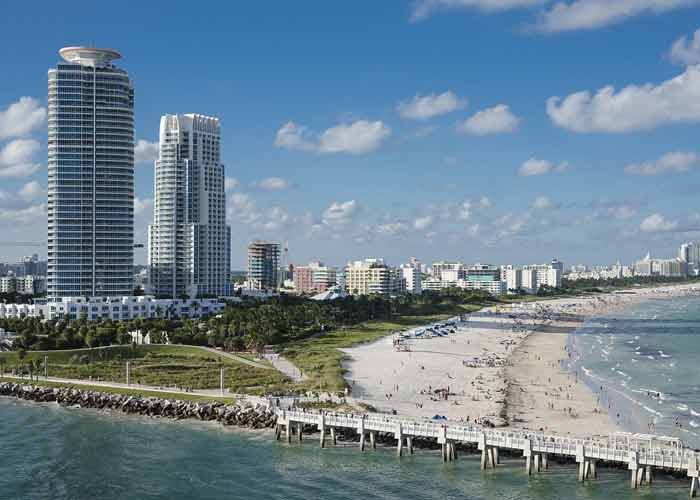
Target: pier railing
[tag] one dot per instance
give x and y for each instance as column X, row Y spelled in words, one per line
column 639, row 453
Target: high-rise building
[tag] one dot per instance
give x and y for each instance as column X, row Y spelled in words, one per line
column 412, row 277
column 263, row 265
column 90, row 176
column 189, row 242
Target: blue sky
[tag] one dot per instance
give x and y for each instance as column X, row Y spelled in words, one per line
column 482, row 130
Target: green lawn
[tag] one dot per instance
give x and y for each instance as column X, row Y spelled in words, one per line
column 128, row 392
column 320, row 360
column 156, row 365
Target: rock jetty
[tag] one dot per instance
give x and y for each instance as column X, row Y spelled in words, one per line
column 254, row 416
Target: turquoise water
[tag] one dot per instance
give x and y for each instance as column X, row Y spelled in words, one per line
column 49, row 452
column 647, row 359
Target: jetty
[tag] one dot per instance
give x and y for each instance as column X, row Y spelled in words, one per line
column 641, row 454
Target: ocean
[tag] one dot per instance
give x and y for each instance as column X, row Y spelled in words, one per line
column 50, row 452
column 646, row 357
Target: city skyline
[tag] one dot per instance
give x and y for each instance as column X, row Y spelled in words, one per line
column 449, row 146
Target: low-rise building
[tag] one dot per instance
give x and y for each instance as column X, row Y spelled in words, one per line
column 114, row 308
column 373, row 276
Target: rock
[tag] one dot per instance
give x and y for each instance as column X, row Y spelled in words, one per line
column 243, row 414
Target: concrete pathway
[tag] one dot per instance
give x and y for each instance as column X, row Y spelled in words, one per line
column 285, row 366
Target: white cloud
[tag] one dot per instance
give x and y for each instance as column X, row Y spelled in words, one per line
column 485, row 202
column 277, row 218
column 496, row 120
column 632, row 108
column 273, row 184
column 21, row 117
column 686, row 52
column 676, row 162
column 295, row 137
column 241, row 206
column 18, row 151
column 340, row 212
column 533, row 166
column 465, row 211
column 392, row 228
column 421, row 223
column 622, row 212
column 16, row 158
column 23, row 215
column 423, row 8
column 657, row 223
column 591, row 14
column 427, row 106
column 357, row 138
column 542, row 203
column 141, row 205
column 145, row 151
column 30, row 191
column 230, row 183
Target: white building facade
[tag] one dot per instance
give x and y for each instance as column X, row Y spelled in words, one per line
column 189, row 241
column 113, row 308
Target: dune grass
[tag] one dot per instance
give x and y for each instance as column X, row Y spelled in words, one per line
column 155, row 365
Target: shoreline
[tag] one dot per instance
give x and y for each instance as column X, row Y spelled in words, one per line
column 508, row 365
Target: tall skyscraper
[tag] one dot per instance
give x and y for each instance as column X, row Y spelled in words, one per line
column 91, row 176
column 263, row 265
column 189, row 242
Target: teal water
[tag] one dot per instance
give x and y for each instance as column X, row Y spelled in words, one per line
column 49, row 452
column 647, row 360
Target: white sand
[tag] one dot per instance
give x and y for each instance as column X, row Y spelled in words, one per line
column 405, row 381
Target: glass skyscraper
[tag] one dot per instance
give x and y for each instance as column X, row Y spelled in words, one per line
column 91, row 176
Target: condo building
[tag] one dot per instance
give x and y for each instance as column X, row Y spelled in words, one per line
column 90, row 175
column 314, row 278
column 263, row 265
column 373, row 276
column 189, row 241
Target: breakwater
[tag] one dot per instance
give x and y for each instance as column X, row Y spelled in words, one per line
column 251, row 415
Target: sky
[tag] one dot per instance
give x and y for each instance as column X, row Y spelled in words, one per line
column 493, row 131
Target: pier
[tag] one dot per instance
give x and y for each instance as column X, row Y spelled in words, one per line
column 641, row 454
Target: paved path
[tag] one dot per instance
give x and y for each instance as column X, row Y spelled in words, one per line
column 234, row 357
column 117, row 385
column 285, row 366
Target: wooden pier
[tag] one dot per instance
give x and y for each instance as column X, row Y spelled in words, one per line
column 641, row 454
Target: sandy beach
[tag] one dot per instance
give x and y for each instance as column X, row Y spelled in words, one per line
column 505, row 365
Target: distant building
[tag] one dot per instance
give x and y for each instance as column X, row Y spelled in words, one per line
column 263, row 265
column 483, row 277
column 373, row 276
column 113, row 308
column 314, row 278
column 439, row 267
column 412, row 277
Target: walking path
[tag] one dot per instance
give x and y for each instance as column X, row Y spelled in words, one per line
column 116, row 385
column 285, row 366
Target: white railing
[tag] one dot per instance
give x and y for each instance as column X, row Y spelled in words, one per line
column 665, row 456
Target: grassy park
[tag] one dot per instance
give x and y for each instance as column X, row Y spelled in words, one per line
column 155, row 365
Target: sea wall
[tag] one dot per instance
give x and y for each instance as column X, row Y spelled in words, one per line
column 254, row 416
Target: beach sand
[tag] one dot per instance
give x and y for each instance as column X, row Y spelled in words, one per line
column 532, row 389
